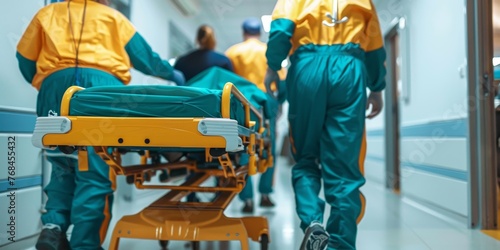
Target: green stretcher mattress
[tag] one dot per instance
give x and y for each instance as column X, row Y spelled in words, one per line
column 152, row 101
column 200, row 98
column 216, row 78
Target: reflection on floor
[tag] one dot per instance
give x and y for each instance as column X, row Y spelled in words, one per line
column 390, row 223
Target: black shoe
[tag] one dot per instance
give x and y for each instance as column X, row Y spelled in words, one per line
column 265, row 201
column 315, row 238
column 52, row 239
column 248, row 208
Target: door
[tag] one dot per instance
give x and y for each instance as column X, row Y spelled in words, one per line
column 392, row 119
column 482, row 134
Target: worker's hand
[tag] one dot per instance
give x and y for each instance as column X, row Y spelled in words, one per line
column 376, row 102
column 178, row 78
column 271, row 76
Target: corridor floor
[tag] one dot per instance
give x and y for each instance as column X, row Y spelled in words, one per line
column 390, row 223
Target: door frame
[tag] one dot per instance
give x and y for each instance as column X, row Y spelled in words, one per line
column 392, row 135
column 481, row 94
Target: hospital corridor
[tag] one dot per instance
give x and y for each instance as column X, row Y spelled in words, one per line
column 250, row 124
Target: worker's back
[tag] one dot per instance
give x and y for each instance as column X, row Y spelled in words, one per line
column 308, row 17
column 249, row 61
column 104, row 35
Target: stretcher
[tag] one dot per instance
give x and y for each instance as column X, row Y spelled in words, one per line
column 216, row 123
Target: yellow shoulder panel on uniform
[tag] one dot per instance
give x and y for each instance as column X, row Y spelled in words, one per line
column 126, row 28
column 288, row 9
column 50, row 42
column 30, row 43
column 373, row 31
column 362, row 26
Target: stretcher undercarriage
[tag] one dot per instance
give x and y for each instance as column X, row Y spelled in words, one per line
column 218, row 139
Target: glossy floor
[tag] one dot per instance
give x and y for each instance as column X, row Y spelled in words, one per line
column 391, row 222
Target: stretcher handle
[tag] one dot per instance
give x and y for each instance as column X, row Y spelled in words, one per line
column 229, row 89
column 68, row 94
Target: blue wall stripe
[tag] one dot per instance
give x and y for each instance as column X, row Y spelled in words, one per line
column 450, row 173
column 375, row 132
column 20, row 183
column 448, row 128
column 375, row 158
column 15, row 122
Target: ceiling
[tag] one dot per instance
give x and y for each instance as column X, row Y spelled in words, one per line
column 226, row 17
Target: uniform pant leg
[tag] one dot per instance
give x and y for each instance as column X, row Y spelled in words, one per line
column 307, row 109
column 341, row 150
column 60, row 191
column 247, row 192
column 92, row 204
column 267, row 178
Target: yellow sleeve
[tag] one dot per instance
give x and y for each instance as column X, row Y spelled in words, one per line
column 125, row 28
column 373, row 32
column 30, row 44
column 287, row 9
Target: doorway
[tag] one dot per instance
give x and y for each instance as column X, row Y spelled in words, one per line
column 392, row 102
column 483, row 144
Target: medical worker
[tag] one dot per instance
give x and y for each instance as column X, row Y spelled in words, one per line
column 199, row 60
column 336, row 52
column 84, row 43
column 204, row 57
column 249, row 61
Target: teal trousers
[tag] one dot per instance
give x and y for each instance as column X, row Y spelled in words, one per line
column 327, row 96
column 83, row 199
column 267, row 178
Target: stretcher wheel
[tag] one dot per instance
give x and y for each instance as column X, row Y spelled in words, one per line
column 67, row 149
column 147, row 176
column 164, row 176
column 130, row 179
column 264, row 242
column 195, row 245
column 217, row 152
column 164, row 244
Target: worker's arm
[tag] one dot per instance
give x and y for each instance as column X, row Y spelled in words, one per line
column 144, row 59
column 375, row 54
column 28, row 49
column 282, row 86
column 282, row 29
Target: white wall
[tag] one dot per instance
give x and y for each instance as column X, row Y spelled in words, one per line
column 17, row 95
column 151, row 19
column 14, row 18
column 438, row 93
column 438, row 50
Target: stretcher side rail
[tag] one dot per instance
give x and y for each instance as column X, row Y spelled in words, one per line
column 204, row 221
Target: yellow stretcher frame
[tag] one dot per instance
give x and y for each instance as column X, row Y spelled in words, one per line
column 168, row 218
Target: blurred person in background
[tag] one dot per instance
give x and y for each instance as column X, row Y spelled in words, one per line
column 249, row 61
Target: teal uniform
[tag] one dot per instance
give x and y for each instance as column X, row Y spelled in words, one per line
column 332, row 65
column 81, row 198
